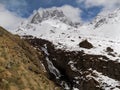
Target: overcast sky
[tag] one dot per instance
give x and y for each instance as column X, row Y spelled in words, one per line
column 12, row 12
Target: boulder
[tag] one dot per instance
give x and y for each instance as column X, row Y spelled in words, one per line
column 109, row 49
column 85, row 44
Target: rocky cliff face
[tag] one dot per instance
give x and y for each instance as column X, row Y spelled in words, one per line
column 21, row 65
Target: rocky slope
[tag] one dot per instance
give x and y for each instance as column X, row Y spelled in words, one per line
column 77, row 58
column 20, row 65
column 76, row 70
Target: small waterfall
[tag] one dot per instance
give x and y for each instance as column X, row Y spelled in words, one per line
column 54, row 70
column 51, row 67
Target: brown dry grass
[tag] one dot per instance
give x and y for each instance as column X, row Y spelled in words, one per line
column 19, row 63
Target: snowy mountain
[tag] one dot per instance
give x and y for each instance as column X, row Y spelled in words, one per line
column 49, row 25
column 94, row 44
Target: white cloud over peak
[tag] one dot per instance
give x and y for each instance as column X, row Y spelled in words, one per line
column 9, row 20
column 71, row 12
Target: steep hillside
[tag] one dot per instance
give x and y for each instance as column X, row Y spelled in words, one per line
column 20, row 65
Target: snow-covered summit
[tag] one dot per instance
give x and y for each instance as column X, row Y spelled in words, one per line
column 52, row 13
column 47, row 22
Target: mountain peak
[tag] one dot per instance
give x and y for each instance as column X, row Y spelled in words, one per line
column 41, row 15
column 51, row 13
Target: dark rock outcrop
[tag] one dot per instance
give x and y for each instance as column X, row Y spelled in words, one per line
column 109, row 49
column 86, row 44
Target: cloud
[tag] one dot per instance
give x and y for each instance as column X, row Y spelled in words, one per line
column 9, row 20
column 107, row 4
column 71, row 12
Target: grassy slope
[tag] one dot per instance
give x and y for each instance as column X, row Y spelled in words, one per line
column 20, row 67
